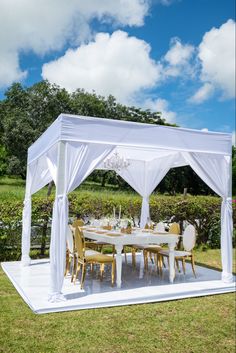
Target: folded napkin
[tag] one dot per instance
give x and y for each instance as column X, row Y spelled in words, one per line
column 107, row 227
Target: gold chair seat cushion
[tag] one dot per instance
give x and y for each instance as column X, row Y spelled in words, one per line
column 148, row 247
column 177, row 253
column 99, row 258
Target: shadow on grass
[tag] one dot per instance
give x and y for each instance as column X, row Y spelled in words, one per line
column 197, row 263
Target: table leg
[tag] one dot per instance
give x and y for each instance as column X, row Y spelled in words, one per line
column 141, row 268
column 171, row 263
column 118, row 265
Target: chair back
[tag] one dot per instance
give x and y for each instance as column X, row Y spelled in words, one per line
column 78, row 223
column 174, row 228
column 189, row 238
column 79, row 241
column 160, row 227
column 69, row 240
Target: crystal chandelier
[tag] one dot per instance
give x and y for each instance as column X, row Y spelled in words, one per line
column 116, row 162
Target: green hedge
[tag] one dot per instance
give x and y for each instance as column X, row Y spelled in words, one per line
column 201, row 211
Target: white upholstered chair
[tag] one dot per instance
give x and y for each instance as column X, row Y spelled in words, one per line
column 189, row 240
column 160, row 227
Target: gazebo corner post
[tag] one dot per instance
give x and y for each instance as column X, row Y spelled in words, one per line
column 26, row 223
column 58, row 230
column 145, row 213
column 227, row 230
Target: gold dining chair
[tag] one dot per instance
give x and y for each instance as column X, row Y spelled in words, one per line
column 89, row 244
column 69, row 250
column 84, row 257
column 145, row 248
column 189, row 240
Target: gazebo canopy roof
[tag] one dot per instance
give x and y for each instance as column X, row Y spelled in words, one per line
column 137, row 140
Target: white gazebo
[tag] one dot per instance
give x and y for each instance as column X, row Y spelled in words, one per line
column 73, row 146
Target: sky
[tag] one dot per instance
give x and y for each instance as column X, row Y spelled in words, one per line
column 173, row 56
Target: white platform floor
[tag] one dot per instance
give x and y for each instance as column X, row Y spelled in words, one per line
column 138, row 286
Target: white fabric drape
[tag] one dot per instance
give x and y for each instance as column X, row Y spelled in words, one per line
column 38, row 175
column 145, row 176
column 75, row 163
column 215, row 171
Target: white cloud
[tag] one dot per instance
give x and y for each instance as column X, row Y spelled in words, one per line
column 44, row 26
column 217, row 56
column 166, row 2
column 202, row 94
column 111, row 64
column 161, row 105
column 177, row 60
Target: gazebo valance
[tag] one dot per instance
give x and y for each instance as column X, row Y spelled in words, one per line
column 73, row 146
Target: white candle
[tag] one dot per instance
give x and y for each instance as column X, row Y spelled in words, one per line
column 120, row 212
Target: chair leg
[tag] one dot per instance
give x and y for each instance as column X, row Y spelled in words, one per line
column 76, row 273
column 183, row 265
column 150, row 257
column 193, row 266
column 69, row 265
column 83, row 275
column 101, row 271
column 157, row 262
column 145, row 256
column 74, row 268
column 133, row 258
column 160, row 263
column 177, row 264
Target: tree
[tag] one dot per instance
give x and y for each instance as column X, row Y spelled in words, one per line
column 3, row 160
column 183, row 177
column 24, row 116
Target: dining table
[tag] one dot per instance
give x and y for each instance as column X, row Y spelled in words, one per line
column 137, row 237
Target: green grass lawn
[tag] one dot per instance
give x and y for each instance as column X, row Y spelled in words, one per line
column 212, row 258
column 201, row 325
column 14, row 189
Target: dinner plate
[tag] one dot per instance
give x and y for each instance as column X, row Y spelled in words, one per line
column 114, row 234
column 160, row 233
